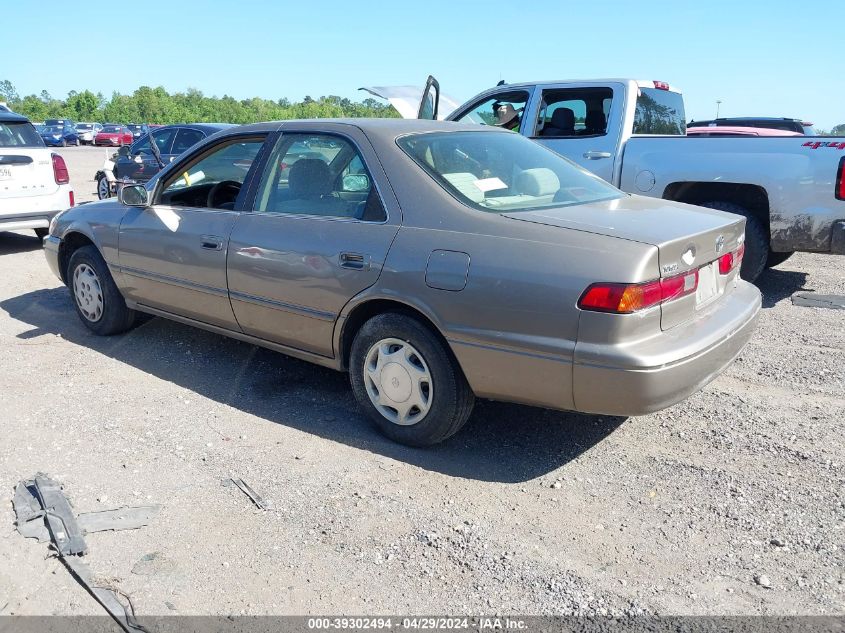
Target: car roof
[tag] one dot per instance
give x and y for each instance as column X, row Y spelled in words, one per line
column 371, row 126
column 12, row 117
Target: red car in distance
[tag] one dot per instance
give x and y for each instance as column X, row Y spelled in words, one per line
column 114, row 135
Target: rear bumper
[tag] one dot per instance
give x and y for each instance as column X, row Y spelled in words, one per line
column 51, row 252
column 23, row 221
column 661, row 372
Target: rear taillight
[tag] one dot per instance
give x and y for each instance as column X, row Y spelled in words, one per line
column 628, row 298
column 60, row 170
column 70, row 199
column 732, row 260
column 840, row 181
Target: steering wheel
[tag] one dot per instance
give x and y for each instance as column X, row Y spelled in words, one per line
column 232, row 187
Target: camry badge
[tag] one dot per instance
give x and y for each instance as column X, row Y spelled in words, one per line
column 720, row 243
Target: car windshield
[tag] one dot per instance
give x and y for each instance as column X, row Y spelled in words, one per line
column 111, row 128
column 134, row 127
column 54, row 129
column 19, row 134
column 84, row 126
column 504, row 172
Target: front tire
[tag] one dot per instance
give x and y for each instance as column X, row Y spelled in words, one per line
column 756, row 239
column 407, row 381
column 64, row 142
column 97, row 300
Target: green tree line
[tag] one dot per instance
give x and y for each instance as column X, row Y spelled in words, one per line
column 156, row 105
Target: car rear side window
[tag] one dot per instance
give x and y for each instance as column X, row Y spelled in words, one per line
column 19, row 134
column 659, row 112
column 574, row 112
column 318, row 174
column 185, row 139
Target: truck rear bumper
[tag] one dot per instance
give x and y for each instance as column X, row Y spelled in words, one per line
column 837, row 238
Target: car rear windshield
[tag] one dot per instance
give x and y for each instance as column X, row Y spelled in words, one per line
column 659, row 112
column 19, row 134
column 503, row 172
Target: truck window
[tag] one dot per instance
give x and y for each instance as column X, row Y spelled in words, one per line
column 659, row 112
column 574, row 112
column 502, row 110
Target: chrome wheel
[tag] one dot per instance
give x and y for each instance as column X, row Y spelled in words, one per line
column 88, row 293
column 103, row 189
column 398, row 381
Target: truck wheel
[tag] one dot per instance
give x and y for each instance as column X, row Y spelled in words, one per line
column 98, row 302
column 775, row 259
column 103, row 188
column 756, row 239
column 407, row 381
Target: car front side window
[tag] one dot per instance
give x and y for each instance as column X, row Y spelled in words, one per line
column 214, row 179
column 503, row 110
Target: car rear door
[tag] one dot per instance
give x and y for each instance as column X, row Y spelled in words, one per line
column 594, row 148
column 173, row 252
column 317, row 235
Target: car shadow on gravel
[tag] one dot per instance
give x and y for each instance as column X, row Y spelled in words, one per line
column 502, row 442
column 777, row 285
column 11, row 243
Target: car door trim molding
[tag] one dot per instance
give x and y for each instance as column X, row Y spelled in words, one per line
column 282, row 305
column 173, row 281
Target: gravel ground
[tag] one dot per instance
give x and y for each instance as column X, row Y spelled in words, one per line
column 729, row 503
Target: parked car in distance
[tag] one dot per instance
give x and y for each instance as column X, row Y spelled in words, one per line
column 59, row 135
column 34, row 182
column 88, row 131
column 137, row 129
column 593, row 300
column 736, row 130
column 632, row 133
column 770, row 123
column 138, row 163
column 113, row 135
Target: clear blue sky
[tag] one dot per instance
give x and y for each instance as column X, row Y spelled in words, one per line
column 766, row 58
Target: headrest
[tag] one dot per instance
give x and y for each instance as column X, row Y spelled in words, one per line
column 539, row 181
column 563, row 118
column 309, row 178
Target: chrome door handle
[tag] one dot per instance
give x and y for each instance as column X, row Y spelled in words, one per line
column 593, row 155
column 211, row 242
column 354, row 261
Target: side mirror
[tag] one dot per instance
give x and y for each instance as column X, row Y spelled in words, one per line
column 123, row 150
column 132, row 195
column 356, row 182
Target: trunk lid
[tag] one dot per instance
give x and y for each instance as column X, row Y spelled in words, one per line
column 25, row 172
column 688, row 238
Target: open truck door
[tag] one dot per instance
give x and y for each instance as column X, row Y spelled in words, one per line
column 413, row 103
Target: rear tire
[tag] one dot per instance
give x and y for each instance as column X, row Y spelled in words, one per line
column 402, row 350
column 775, row 259
column 97, row 300
column 103, row 188
column 64, row 142
column 756, row 239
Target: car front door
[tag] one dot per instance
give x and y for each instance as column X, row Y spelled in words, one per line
column 322, row 221
column 173, row 252
column 595, row 112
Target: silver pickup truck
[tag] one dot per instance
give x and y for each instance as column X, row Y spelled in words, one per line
column 633, row 134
